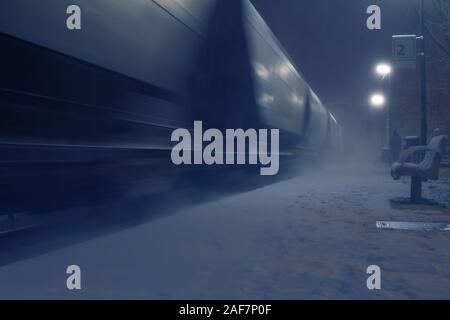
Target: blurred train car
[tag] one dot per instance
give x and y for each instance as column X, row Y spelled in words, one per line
column 86, row 115
column 245, row 79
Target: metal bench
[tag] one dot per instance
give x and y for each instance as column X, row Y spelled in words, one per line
column 428, row 167
column 423, row 164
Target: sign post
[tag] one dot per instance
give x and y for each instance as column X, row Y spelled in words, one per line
column 404, row 53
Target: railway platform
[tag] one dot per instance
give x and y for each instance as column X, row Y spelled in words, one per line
column 312, row 236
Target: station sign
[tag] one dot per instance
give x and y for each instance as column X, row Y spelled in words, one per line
column 404, row 50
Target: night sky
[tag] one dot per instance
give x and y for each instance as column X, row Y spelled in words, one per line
column 330, row 43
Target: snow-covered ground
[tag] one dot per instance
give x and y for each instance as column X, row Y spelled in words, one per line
column 309, row 237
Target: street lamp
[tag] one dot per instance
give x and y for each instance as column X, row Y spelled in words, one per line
column 377, row 100
column 384, row 69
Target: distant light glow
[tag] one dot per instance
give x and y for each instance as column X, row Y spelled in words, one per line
column 383, row 69
column 267, row 99
column 262, row 71
column 377, row 100
column 283, row 70
column 296, row 99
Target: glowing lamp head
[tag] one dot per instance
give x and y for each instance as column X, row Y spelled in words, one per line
column 377, row 100
column 383, row 69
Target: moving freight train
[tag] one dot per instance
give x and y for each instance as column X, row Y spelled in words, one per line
column 86, row 115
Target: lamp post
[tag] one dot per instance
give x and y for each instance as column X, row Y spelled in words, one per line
column 378, row 101
column 423, row 80
column 384, row 70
